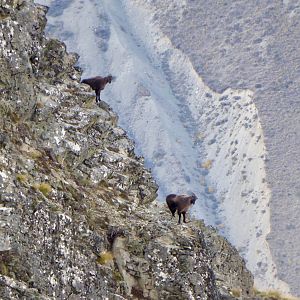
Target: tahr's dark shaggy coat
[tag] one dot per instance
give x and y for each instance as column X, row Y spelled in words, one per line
column 98, row 83
column 181, row 203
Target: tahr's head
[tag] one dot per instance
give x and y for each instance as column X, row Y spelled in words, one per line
column 109, row 78
column 194, row 198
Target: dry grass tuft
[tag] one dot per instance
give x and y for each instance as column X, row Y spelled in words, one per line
column 105, row 257
column 22, row 177
column 207, row 164
column 35, row 154
column 236, row 293
column 43, row 187
column 272, row 295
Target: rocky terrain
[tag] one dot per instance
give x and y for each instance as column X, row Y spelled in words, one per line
column 208, row 90
column 78, row 216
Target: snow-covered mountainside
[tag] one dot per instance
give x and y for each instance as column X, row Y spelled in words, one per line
column 194, row 136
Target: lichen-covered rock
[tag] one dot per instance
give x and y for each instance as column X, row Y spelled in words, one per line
column 77, row 213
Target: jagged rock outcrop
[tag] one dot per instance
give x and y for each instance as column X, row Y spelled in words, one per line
column 78, row 218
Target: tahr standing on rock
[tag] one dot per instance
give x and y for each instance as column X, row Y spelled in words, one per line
column 181, row 203
column 98, row 83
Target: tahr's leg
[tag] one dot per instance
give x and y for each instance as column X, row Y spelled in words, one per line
column 184, row 217
column 173, row 212
column 179, row 214
column 98, row 96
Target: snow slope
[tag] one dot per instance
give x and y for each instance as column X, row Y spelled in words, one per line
column 193, row 138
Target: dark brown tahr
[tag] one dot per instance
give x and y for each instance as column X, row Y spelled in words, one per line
column 98, row 83
column 181, row 203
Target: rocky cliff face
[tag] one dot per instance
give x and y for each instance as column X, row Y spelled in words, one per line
column 78, row 217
